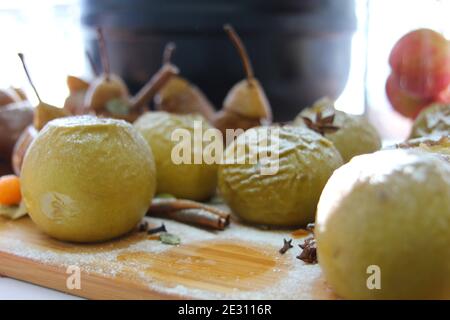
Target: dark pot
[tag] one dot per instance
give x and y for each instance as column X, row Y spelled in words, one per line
column 300, row 48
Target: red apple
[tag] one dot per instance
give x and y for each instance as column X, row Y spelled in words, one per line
column 405, row 104
column 421, row 62
column 444, row 96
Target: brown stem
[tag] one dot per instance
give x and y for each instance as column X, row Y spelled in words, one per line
column 190, row 212
column 236, row 40
column 168, row 52
column 155, row 84
column 22, row 58
column 92, row 63
column 103, row 53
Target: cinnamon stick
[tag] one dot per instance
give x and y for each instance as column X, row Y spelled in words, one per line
column 190, row 212
column 155, row 84
column 179, row 204
column 197, row 217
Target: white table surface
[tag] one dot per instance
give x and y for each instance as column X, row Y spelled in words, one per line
column 11, row 289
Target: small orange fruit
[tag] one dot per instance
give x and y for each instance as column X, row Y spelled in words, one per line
column 10, row 190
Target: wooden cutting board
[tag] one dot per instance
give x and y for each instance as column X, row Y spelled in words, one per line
column 238, row 263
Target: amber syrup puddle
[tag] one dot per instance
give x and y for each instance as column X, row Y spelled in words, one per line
column 300, row 233
column 218, row 265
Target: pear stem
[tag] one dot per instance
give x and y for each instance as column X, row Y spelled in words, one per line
column 22, row 59
column 157, row 81
column 236, row 40
column 168, row 52
column 92, row 63
column 103, row 53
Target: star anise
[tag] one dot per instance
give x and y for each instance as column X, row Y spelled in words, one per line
column 286, row 246
column 309, row 251
column 321, row 124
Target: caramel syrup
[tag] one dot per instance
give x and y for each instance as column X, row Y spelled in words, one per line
column 300, row 233
column 219, row 265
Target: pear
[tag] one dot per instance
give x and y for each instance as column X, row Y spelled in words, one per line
column 76, row 84
column 108, row 94
column 246, row 104
column 180, row 96
column 20, row 93
column 104, row 89
column 43, row 112
column 74, row 102
column 7, row 97
column 130, row 109
column 107, row 86
column 14, row 118
column 21, row 146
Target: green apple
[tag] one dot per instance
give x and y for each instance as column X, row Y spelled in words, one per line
column 302, row 161
column 382, row 227
column 434, row 120
column 87, row 179
column 188, row 180
column 355, row 135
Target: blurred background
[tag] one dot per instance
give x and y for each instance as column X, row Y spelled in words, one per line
column 301, row 50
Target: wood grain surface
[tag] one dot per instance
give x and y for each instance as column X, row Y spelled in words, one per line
column 239, row 263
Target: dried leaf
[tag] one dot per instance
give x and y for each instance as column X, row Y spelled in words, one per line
column 169, row 238
column 13, row 212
